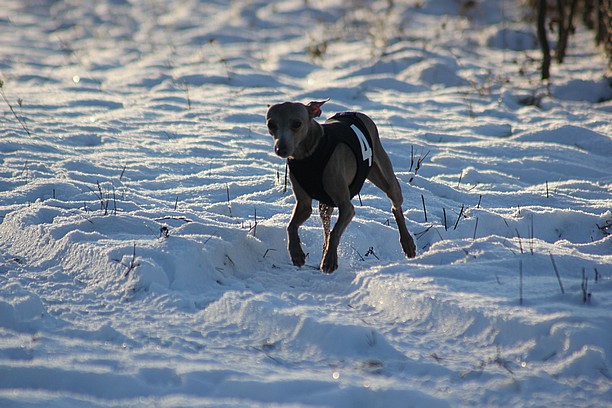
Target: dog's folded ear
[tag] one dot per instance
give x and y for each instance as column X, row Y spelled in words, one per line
column 314, row 108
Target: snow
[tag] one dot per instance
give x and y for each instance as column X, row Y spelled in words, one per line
column 143, row 224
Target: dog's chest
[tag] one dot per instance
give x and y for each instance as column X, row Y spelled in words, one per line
column 342, row 128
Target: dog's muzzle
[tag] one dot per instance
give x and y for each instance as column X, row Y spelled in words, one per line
column 282, row 149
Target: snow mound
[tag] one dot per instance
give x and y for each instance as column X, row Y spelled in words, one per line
column 435, row 73
column 512, row 39
column 573, row 137
column 583, row 90
column 20, row 309
column 143, row 212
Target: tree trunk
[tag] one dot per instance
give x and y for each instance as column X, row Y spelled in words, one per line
column 566, row 27
column 606, row 28
column 543, row 39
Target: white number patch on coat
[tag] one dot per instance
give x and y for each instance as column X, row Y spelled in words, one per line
column 366, row 149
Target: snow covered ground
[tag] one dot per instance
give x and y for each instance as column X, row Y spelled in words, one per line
column 142, row 241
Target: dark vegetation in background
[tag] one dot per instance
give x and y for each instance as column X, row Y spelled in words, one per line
column 558, row 17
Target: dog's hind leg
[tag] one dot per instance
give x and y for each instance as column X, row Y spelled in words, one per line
column 346, row 212
column 326, row 211
column 387, row 182
column 339, row 171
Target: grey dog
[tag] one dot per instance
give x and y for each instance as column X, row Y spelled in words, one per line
column 329, row 162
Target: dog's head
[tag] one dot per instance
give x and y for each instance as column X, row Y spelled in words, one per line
column 289, row 124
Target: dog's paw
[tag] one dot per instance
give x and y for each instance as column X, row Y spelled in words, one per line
column 409, row 248
column 298, row 257
column 329, row 262
column 299, row 261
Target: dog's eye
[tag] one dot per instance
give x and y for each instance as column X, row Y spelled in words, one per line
column 296, row 124
column 272, row 126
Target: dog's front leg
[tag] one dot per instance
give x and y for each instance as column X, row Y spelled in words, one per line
column 301, row 212
column 346, row 212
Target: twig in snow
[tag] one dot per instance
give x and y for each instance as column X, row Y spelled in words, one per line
column 502, row 362
column 371, row 252
column 266, row 348
column 424, row 208
column 604, row 228
column 371, row 339
column 133, row 265
column 459, row 217
column 186, row 90
column 114, row 201
column 436, row 357
column 25, row 171
column 556, row 272
column 475, row 228
column 531, row 237
column 519, row 239
column 445, row 224
column 20, row 101
column 268, row 250
column 104, row 201
column 586, row 296
column 229, row 204
column 254, row 227
column 521, row 282
column 173, row 218
column 361, row 258
column 498, row 360
column 418, row 235
column 439, row 235
column 222, row 59
column 420, row 162
column 100, row 196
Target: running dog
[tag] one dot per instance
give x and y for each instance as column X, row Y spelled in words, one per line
column 329, row 162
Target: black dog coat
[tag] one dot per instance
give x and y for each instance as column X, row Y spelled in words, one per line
column 345, row 128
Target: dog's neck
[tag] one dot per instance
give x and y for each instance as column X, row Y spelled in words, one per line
column 310, row 142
